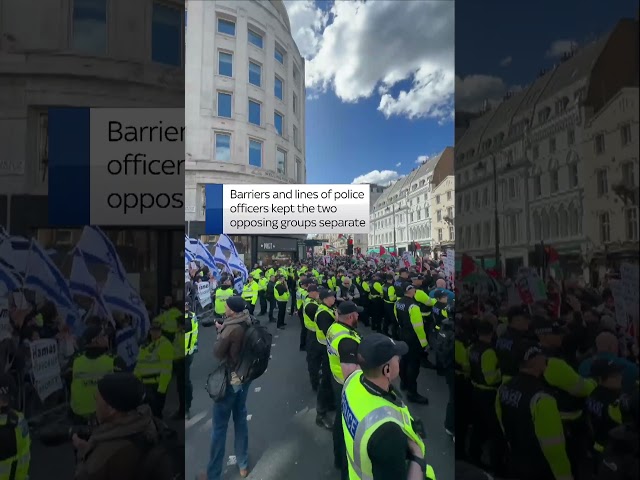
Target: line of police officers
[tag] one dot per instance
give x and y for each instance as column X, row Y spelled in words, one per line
column 527, row 405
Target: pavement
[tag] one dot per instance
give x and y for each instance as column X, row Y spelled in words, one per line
column 284, row 441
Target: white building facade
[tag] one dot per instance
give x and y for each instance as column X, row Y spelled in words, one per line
column 542, row 143
column 443, row 214
column 245, row 98
column 402, row 215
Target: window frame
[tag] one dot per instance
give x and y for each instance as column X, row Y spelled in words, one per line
column 223, row 19
column 282, row 125
column 259, row 104
column 107, row 18
column 225, row 52
column 253, row 62
column 230, row 94
column 258, row 35
column 277, row 78
column 251, row 140
column 283, row 152
column 217, row 134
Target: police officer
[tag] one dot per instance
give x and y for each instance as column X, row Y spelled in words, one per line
column 154, row 368
column 603, row 405
column 281, row 294
column 222, row 294
column 301, row 296
column 425, row 302
column 377, row 303
column 271, row 299
column 380, row 434
column 262, row 292
column 462, row 387
column 362, row 298
column 169, row 320
column 485, row 380
column 15, row 441
column 314, row 349
column 389, row 298
column 184, row 349
column 517, row 330
column 342, row 348
column 412, row 333
column 250, row 294
column 531, row 421
column 325, row 316
column 91, row 364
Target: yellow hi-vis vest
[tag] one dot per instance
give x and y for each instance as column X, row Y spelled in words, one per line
column 155, row 364
column 319, row 333
column 281, row 298
column 169, row 320
column 15, row 464
column 85, row 374
column 301, row 294
column 191, row 337
column 222, row 295
column 262, row 283
column 309, row 323
column 362, row 414
column 335, row 334
column 250, row 292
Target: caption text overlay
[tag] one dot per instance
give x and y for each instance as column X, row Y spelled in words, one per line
column 292, row 209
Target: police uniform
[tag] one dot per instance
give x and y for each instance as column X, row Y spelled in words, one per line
column 531, row 422
column 15, row 441
column 250, row 294
column 389, row 298
column 412, row 332
column 184, row 348
column 377, row 305
column 301, row 296
column 222, row 294
column 313, row 348
column 376, row 423
column 282, row 295
column 154, row 369
column 262, row 293
column 324, row 317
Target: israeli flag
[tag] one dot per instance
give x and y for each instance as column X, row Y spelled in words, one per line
column 97, row 247
column 9, row 279
column 203, row 255
column 45, row 278
column 227, row 244
column 15, row 251
column 238, row 285
column 188, row 256
column 237, row 264
column 82, row 283
column 120, row 296
column 3, row 233
column 190, row 245
column 220, row 259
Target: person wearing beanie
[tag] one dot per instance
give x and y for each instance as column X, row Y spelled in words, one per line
column 155, row 367
column 110, row 452
column 228, row 349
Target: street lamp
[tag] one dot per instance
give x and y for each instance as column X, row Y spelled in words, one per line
column 482, row 167
column 393, row 210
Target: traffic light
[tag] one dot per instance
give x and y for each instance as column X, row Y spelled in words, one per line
column 350, row 246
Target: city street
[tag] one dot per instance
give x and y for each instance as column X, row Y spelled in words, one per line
column 284, row 441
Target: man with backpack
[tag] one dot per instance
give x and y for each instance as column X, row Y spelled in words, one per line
column 127, row 443
column 244, row 348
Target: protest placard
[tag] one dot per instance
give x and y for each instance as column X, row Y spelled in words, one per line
column 45, row 367
column 204, row 294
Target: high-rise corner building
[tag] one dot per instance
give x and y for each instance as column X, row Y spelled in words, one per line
column 244, row 99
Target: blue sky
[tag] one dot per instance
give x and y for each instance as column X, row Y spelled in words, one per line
column 380, row 86
column 511, row 43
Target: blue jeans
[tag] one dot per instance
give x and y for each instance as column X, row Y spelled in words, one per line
column 234, row 403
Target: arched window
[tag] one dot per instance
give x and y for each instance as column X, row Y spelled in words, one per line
column 545, row 225
column 553, row 220
column 564, row 222
column 537, row 226
column 573, row 220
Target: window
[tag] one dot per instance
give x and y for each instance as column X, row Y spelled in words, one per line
column 476, row 198
column 227, row 27
column 552, row 145
column 90, row 26
column 571, row 137
column 255, row 74
column 281, row 162
column 450, row 213
column 255, row 39
column 553, row 181
column 223, row 147
column 224, row 105
column 573, row 175
column 477, row 233
column 279, row 55
column 296, row 142
column 512, row 188
column 278, row 122
column 278, row 88
column 451, row 233
column 536, row 152
column 513, row 229
column 486, row 233
column 295, row 75
column 298, row 172
column 255, row 113
column 255, row 153
column 604, row 227
column 537, row 186
column 439, row 234
column 628, row 174
column 295, row 104
column 631, row 223
column 625, row 134
column 439, row 215
column 599, row 143
column 225, row 64
column 438, row 199
column 449, row 195
column 419, row 214
column 602, row 182
column 166, row 35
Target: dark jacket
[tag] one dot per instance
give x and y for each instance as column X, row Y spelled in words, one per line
column 111, row 454
column 228, row 346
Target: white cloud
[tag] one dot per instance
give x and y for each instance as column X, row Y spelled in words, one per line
column 506, row 61
column 421, row 159
column 369, row 47
column 473, row 90
column 384, row 177
column 559, row 47
column 398, row 164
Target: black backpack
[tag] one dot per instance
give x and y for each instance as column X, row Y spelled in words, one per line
column 161, row 460
column 256, row 352
column 445, row 348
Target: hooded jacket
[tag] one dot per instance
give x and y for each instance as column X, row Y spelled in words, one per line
column 109, row 454
column 228, row 346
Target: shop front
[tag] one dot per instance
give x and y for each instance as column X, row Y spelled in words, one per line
column 276, row 250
